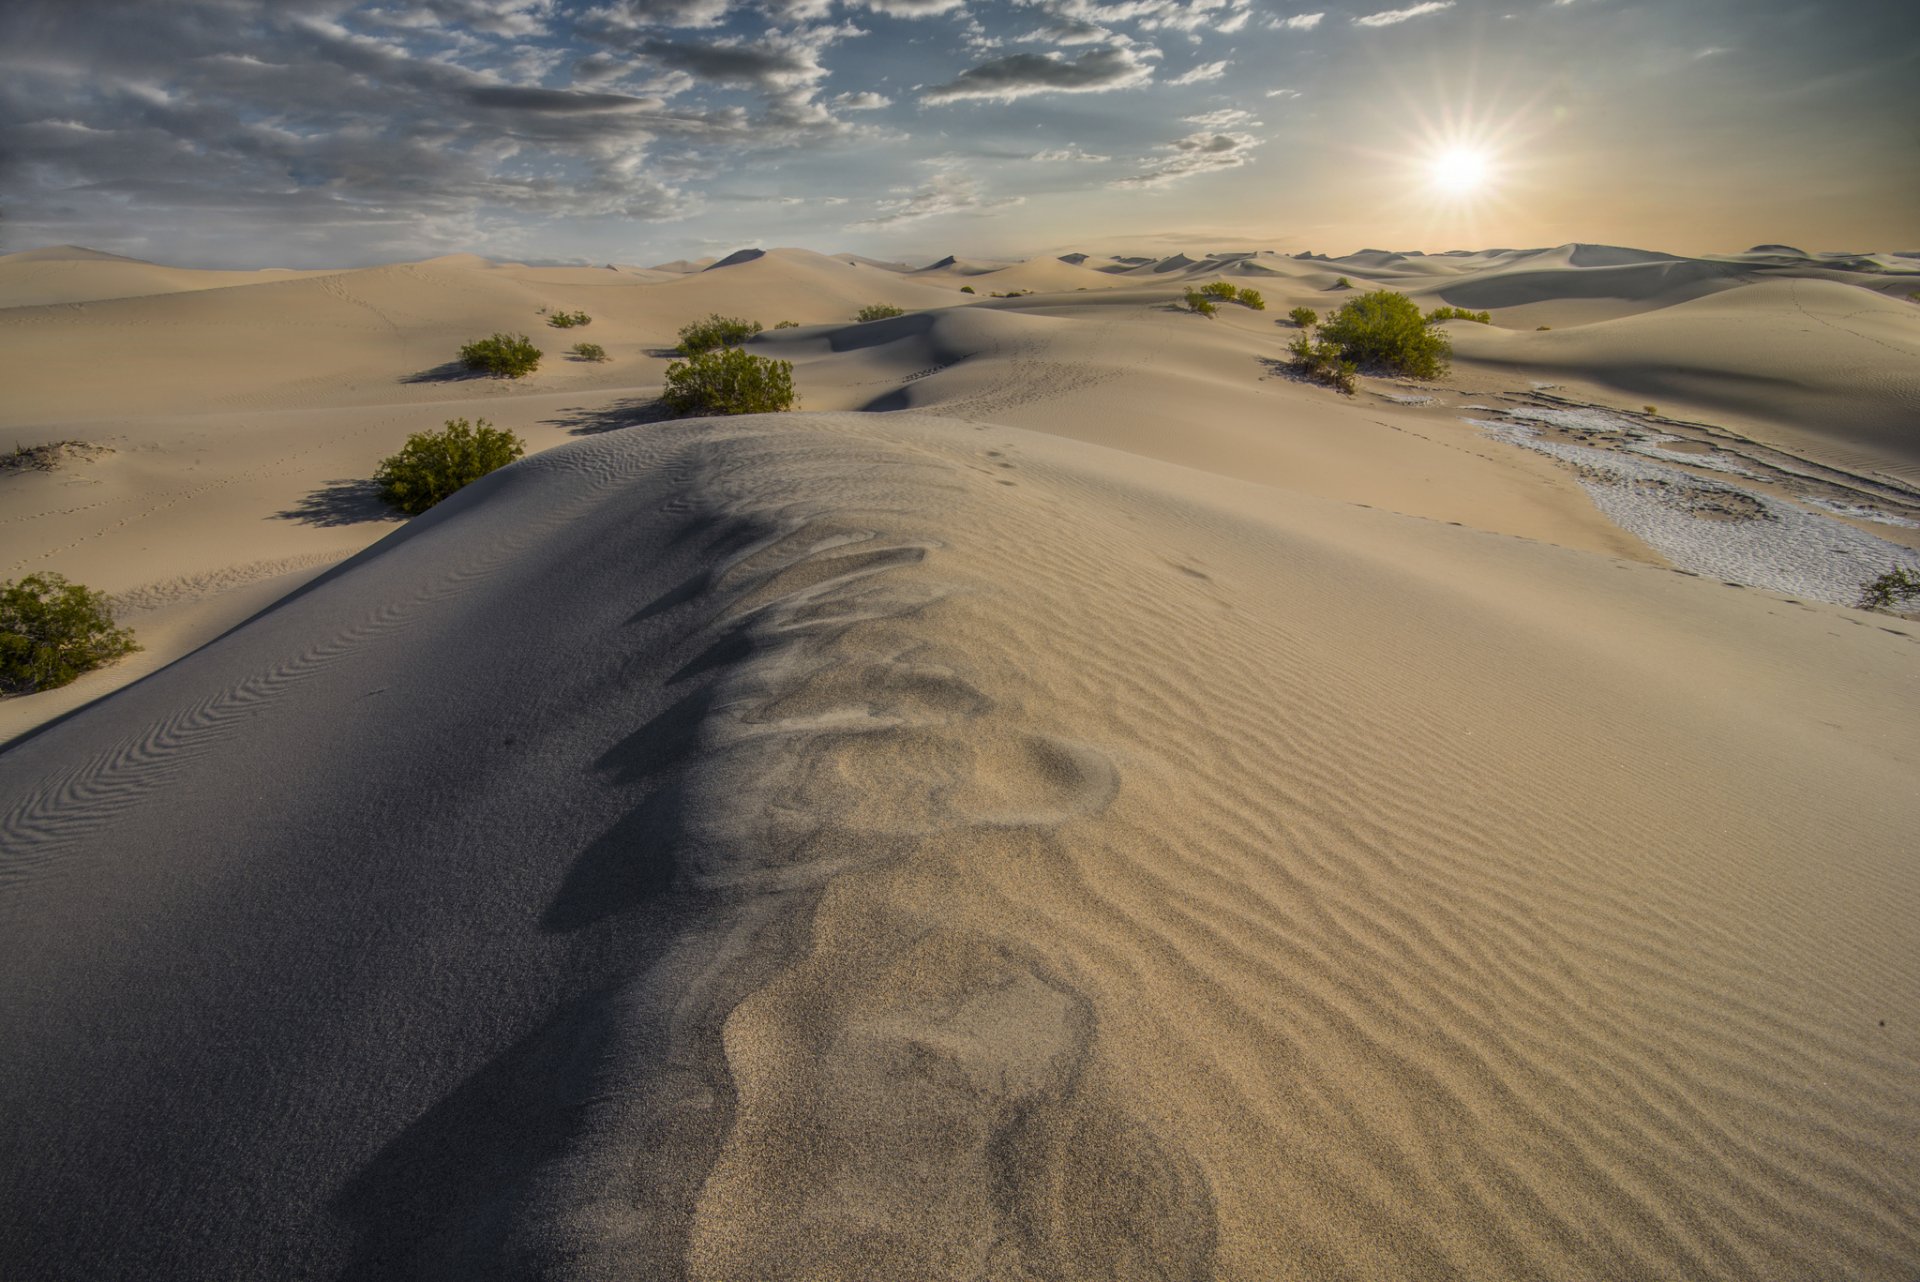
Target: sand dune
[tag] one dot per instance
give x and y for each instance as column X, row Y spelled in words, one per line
column 1077, row 804
column 71, row 274
column 856, row 846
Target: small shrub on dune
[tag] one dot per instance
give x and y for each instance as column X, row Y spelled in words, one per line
column 569, row 320
column 1385, row 330
column 966, row 289
column 1540, row 328
column 1343, row 283
column 433, row 465
column 715, row 331
column 51, row 631
column 1439, row 314
column 1198, row 303
column 787, row 325
column 1304, row 317
column 729, row 381
column 1221, row 290
column 1323, row 362
column 1896, row 587
column 874, row 312
column 1250, row 298
column 502, row 355
column 589, row 352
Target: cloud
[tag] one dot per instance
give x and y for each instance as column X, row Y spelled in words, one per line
column 1022, row 74
column 1196, row 154
column 1071, row 152
column 911, row 8
column 1389, row 17
column 1298, row 22
column 945, row 194
column 868, row 101
column 637, row 15
column 1201, row 74
column 1222, row 118
column 1283, row 93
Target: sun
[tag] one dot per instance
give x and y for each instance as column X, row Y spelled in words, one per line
column 1460, row 171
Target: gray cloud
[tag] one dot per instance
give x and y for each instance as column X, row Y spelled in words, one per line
column 1021, row 74
column 947, row 193
column 1196, row 154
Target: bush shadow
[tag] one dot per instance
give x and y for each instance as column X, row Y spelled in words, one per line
column 341, row 502
column 591, row 420
column 448, row 372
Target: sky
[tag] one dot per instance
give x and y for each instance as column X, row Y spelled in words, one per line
column 308, row 133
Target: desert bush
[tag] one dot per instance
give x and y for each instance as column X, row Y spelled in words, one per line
column 1250, row 298
column 1439, row 314
column 1542, row 327
column 1651, row 409
column 1304, row 317
column 1012, row 293
column 873, row 312
column 966, row 289
column 51, row 631
column 787, row 325
column 589, row 352
column 1221, row 290
column 1198, row 303
column 1323, row 362
column 1343, row 283
column 729, row 381
column 502, row 355
column 1384, row 330
column 715, row 331
column 568, row 320
column 432, row 465
column 1895, row 587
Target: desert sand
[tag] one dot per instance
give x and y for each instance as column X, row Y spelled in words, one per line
column 1072, row 803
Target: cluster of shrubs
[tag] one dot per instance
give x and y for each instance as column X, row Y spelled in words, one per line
column 878, row 311
column 433, row 465
column 716, row 331
column 1896, row 587
column 727, row 380
column 568, row 320
column 1205, row 300
column 502, row 355
column 966, row 289
column 51, row 631
column 589, row 352
column 1304, row 317
column 1381, row 330
column 1439, row 314
column 1012, row 293
column 787, row 325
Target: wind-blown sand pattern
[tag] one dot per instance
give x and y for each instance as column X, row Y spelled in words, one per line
column 1075, row 805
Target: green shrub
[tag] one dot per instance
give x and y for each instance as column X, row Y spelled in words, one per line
column 1439, row 314
column 1251, row 298
column 1304, row 317
column 1896, row 586
column 1221, row 290
column 503, row 355
column 715, row 331
column 966, row 289
column 1323, row 362
column 1651, row 409
column 567, row 320
column 1012, row 293
column 51, row 631
column 1198, row 303
column 871, row 312
column 729, row 381
column 432, row 465
column 787, row 325
column 1542, row 327
column 1343, row 283
column 1384, row 330
column 589, row 352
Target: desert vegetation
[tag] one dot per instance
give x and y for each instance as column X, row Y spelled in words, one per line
column 715, row 331
column 1323, row 362
column 51, row 631
column 1304, row 317
column 502, row 355
column 1251, row 299
column 1200, row 303
column 589, row 352
column 433, row 465
column 569, row 320
column 1343, row 283
column 787, row 325
column 966, row 289
column 874, row 312
column 1385, row 331
column 1439, row 314
column 1894, row 588
column 729, row 381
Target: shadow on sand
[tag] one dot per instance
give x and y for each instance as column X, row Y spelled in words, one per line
column 585, row 420
column 343, row 502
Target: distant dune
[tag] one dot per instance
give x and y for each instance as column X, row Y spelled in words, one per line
column 1075, row 801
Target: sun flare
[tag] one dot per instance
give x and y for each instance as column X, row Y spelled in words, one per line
column 1460, row 170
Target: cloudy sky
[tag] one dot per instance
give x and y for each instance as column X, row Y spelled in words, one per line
column 324, row 132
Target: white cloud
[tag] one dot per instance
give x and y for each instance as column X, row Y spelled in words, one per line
column 1070, row 152
column 1388, row 17
column 945, row 194
column 868, row 101
column 1283, row 93
column 1298, row 22
column 1201, row 74
column 1221, row 119
column 1196, row 154
column 1022, row 74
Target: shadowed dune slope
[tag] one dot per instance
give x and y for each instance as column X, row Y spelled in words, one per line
column 891, row 847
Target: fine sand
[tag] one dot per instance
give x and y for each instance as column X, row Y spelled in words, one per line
column 1075, row 803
